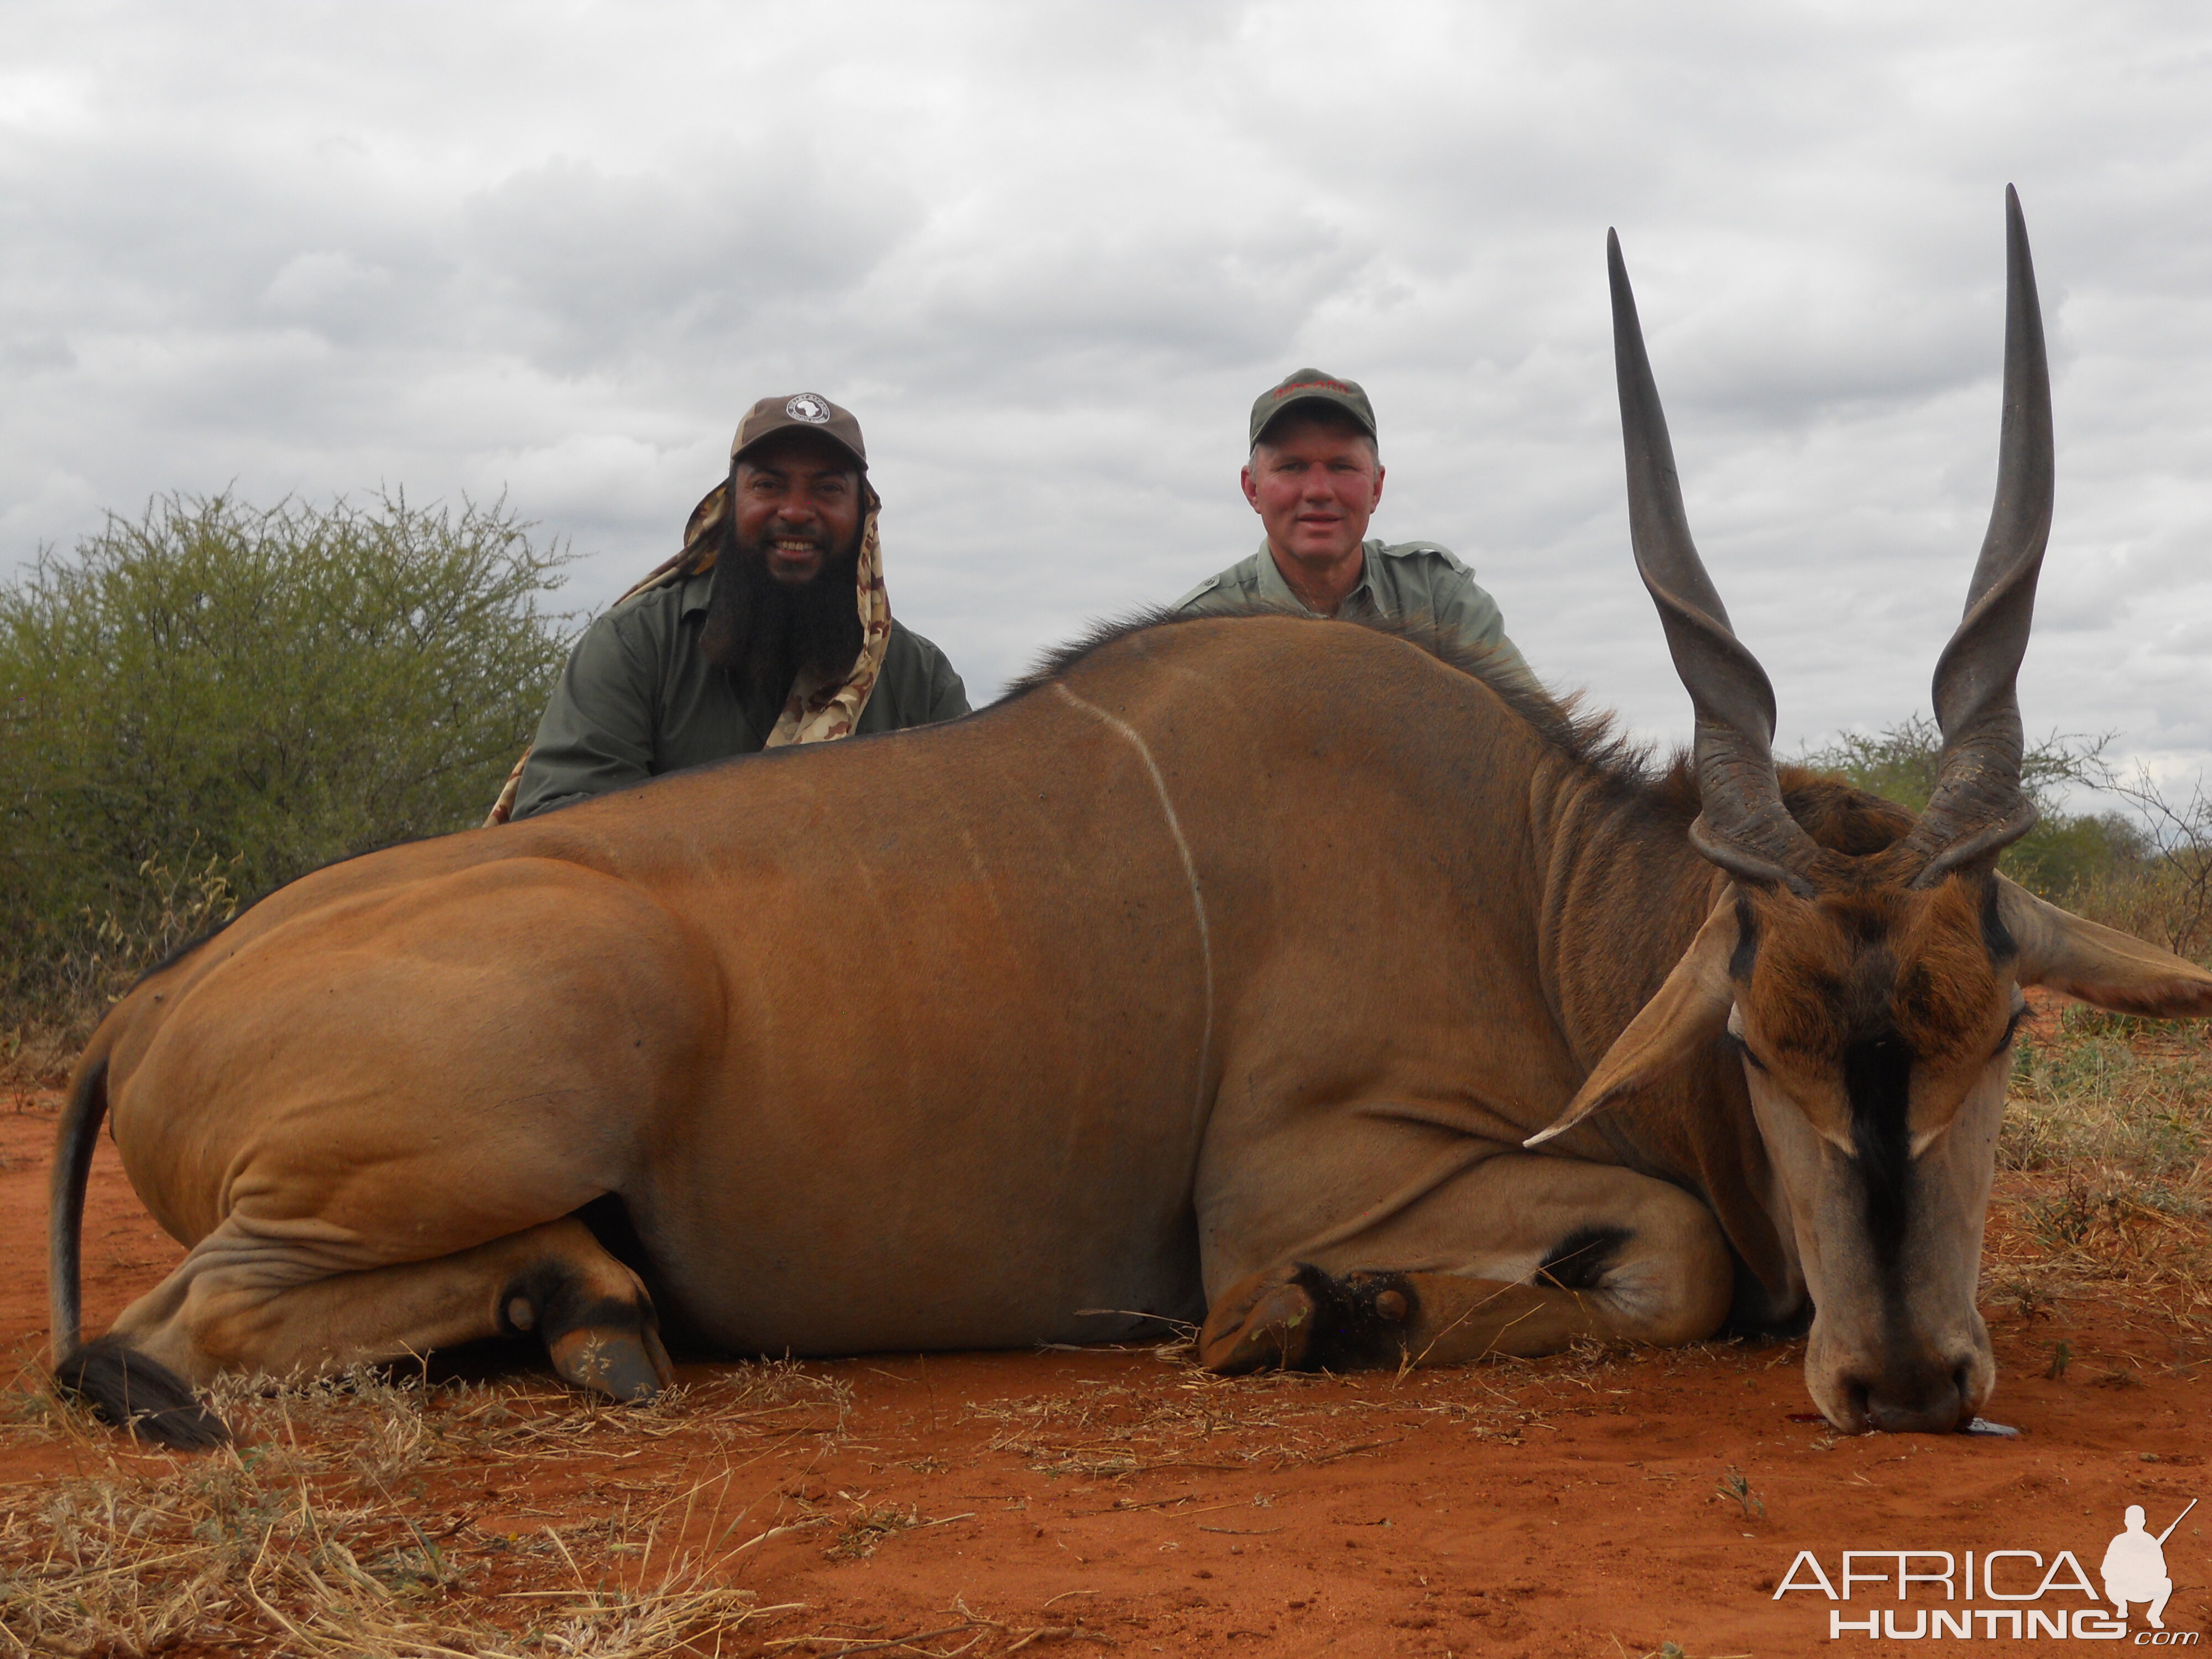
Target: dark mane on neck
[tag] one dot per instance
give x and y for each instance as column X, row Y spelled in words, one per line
column 1836, row 815
column 1592, row 742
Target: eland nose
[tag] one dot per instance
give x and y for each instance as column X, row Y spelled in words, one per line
column 1923, row 1399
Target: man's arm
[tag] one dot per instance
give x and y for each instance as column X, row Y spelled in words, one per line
column 1466, row 613
column 948, row 697
column 919, row 686
column 596, row 733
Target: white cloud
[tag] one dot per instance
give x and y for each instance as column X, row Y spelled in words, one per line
column 1050, row 254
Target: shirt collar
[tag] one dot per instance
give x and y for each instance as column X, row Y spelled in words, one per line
column 1274, row 591
column 697, row 590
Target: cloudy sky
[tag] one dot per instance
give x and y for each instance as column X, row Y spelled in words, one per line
column 1049, row 253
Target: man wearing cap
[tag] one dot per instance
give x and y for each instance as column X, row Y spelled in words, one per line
column 771, row 627
column 1314, row 478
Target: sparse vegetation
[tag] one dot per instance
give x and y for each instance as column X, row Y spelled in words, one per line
column 2145, row 867
column 317, row 1533
column 2062, row 854
column 2096, row 1091
column 1270, row 1422
column 1736, row 1488
column 204, row 703
column 2165, row 895
column 2108, row 1137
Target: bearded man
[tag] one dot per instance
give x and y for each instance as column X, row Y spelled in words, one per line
column 770, row 628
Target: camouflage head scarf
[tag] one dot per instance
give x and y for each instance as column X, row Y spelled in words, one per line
column 816, row 711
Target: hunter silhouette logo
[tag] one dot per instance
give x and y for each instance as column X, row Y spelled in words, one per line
column 2135, row 1567
column 2033, row 1598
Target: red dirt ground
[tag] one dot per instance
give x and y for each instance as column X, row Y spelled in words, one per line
column 1568, row 1507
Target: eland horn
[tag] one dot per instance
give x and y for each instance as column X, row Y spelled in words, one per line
column 1979, row 806
column 1742, row 826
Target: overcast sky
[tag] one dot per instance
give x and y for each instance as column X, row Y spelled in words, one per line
column 1049, row 253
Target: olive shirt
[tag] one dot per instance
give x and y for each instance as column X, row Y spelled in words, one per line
column 1415, row 580
column 639, row 698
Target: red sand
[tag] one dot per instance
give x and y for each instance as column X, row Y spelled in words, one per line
column 1566, row 1507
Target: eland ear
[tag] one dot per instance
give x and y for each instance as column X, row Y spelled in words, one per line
column 1688, row 1013
column 2097, row 964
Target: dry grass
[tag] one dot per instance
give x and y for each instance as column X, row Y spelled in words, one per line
column 1193, row 1420
column 965, row 1622
column 323, row 1531
column 2109, row 1127
column 2105, row 1088
column 871, row 1524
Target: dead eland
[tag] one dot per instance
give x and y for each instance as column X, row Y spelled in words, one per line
column 939, row 1040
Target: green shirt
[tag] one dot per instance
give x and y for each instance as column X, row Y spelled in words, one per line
column 1416, row 581
column 638, row 698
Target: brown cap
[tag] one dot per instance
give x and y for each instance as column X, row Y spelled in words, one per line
column 1310, row 386
column 807, row 411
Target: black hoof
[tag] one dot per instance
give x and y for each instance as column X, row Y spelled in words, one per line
column 127, row 1388
column 1300, row 1318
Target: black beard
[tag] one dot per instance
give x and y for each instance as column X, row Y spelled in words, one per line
column 763, row 633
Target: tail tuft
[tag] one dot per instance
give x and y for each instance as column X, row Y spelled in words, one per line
column 133, row 1392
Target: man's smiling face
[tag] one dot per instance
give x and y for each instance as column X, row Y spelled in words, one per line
column 1315, row 483
column 796, row 500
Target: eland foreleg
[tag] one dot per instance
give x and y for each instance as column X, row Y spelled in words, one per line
column 1519, row 1255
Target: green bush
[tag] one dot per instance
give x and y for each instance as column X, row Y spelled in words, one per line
column 214, row 699
column 2059, row 857
column 2167, row 896
column 2147, row 872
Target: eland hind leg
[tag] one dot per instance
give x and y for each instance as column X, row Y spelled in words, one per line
column 245, row 1300
column 370, row 1120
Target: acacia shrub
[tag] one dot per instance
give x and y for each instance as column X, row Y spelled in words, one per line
column 213, row 699
column 2064, row 854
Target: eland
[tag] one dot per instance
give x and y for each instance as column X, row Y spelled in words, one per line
column 1298, row 979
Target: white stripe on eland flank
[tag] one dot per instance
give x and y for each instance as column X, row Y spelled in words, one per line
column 1189, row 866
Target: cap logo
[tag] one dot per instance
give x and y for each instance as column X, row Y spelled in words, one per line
column 1283, row 391
column 806, row 407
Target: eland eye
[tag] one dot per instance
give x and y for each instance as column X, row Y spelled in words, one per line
column 1744, row 1049
column 2012, row 1025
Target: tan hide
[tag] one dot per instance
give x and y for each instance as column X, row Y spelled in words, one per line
column 1688, row 1013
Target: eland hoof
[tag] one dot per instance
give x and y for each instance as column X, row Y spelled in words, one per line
column 1265, row 1320
column 629, row 1365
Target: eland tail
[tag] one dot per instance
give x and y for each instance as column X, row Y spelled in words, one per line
column 122, row 1385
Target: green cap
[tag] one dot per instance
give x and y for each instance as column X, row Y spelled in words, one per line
column 807, row 411
column 1310, row 386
